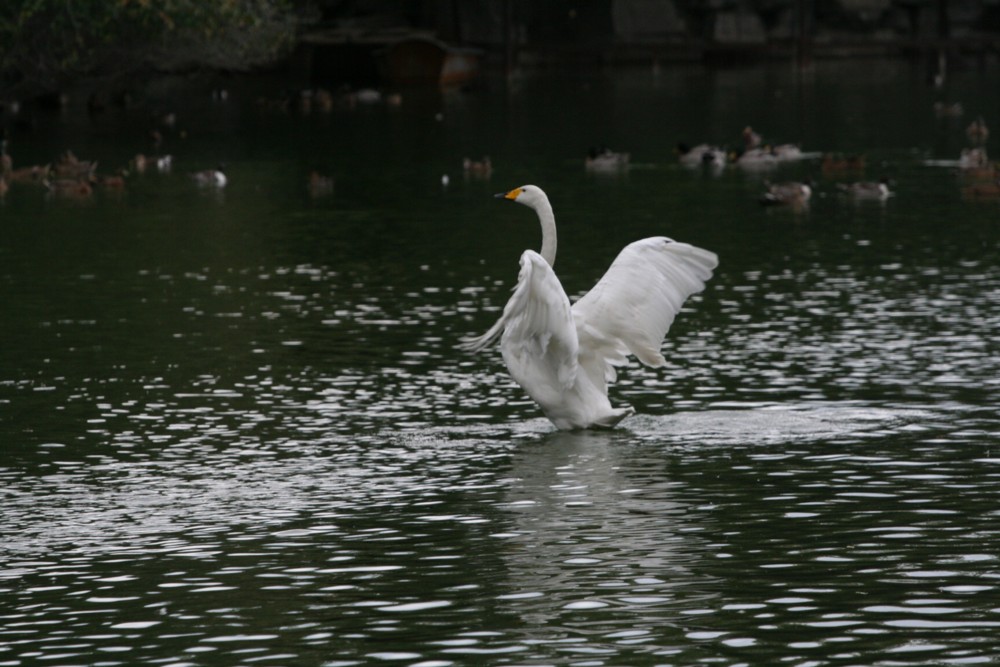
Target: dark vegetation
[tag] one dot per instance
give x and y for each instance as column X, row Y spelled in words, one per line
column 49, row 45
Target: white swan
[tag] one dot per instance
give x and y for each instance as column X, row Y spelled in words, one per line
column 564, row 356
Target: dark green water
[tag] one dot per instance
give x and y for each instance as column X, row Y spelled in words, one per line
column 234, row 427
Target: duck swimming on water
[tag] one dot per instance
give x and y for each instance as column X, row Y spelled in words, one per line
column 210, row 178
column 870, row 190
column 700, row 155
column 791, row 193
column 605, row 159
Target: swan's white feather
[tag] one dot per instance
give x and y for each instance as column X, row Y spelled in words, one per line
column 564, row 356
column 632, row 307
column 536, row 327
column 539, row 342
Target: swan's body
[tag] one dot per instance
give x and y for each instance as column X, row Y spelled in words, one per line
column 563, row 356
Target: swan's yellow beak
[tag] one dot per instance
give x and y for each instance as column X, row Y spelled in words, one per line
column 512, row 195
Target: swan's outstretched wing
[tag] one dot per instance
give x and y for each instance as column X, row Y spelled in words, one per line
column 539, row 334
column 632, row 307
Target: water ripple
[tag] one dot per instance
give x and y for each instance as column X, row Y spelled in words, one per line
column 845, row 520
column 242, row 437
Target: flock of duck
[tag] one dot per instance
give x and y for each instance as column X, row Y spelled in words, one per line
column 70, row 177
column 982, row 177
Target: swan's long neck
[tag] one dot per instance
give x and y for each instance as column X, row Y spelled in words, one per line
column 548, row 222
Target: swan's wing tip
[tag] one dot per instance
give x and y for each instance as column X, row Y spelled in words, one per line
column 633, row 306
column 613, row 418
column 483, row 341
column 475, row 344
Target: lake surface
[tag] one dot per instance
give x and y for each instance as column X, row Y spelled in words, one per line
column 235, row 429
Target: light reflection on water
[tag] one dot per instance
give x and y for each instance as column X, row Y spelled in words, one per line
column 264, row 447
column 679, row 538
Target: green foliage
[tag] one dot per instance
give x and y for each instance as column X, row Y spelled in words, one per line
column 46, row 43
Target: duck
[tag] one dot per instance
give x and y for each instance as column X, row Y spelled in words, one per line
column 790, row 193
column 323, row 99
column 702, row 154
column 367, row 96
column 751, row 139
column 944, row 110
column 480, row 168
column 977, row 132
column 162, row 163
column 6, row 163
column 72, row 188
column 169, row 119
column 605, row 159
column 985, row 190
column 987, row 172
column 34, row 175
column 319, row 185
column 210, row 178
column 114, row 181
column 973, row 158
column 68, row 166
column 305, row 101
column 786, row 152
column 867, row 190
column 754, row 158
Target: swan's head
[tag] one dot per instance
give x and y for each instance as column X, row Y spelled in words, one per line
column 533, row 197
column 529, row 195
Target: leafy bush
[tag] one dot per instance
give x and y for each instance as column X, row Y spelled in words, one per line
column 45, row 44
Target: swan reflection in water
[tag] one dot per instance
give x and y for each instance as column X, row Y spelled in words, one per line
column 595, row 527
